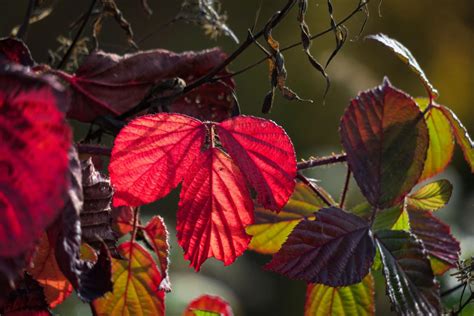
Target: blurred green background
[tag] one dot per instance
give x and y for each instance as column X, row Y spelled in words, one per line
column 439, row 33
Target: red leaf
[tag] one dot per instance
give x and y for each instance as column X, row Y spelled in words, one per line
column 15, row 51
column 151, row 155
column 157, row 235
column 335, row 249
column 34, row 141
column 111, row 84
column 214, row 208
column 209, row 303
column 265, row 155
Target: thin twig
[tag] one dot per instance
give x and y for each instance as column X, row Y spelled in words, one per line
column 78, row 35
column 315, row 188
column 26, row 21
column 453, row 289
column 93, row 150
column 323, row 161
column 346, row 188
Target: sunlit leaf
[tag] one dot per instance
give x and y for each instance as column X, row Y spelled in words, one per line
column 335, row 249
column 386, row 139
column 462, row 136
column 441, row 140
column 214, row 208
column 406, row 56
column 151, row 155
column 357, row 299
column 271, row 229
column 136, row 280
column 208, row 305
column 437, row 240
column 410, row 282
column 432, row 196
column 394, row 218
column 265, row 155
column 157, row 236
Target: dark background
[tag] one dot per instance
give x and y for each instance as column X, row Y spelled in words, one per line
column 439, row 33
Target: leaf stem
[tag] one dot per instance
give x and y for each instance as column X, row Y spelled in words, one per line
column 22, row 32
column 322, row 161
column 78, row 35
column 346, row 188
column 315, row 188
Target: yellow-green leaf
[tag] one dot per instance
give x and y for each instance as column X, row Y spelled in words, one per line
column 432, row 196
column 356, row 300
column 136, row 280
column 441, row 140
column 395, row 218
column 271, row 229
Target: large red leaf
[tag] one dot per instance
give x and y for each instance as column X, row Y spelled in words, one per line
column 386, row 140
column 214, row 208
column 111, row 84
column 208, row 303
column 34, row 140
column 335, row 249
column 151, row 155
column 265, row 155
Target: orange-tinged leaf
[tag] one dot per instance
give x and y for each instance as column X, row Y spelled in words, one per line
column 46, row 272
column 208, row 305
column 271, row 229
column 122, row 219
column 214, row 209
column 354, row 300
column 157, row 236
column 441, row 140
column 151, row 155
column 136, row 282
column 432, row 196
column 462, row 136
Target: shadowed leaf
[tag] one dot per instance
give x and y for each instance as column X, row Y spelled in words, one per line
column 335, row 249
column 15, row 51
column 410, row 282
column 208, row 305
column 271, row 229
column 432, row 196
column 386, row 141
column 357, row 299
column 26, row 300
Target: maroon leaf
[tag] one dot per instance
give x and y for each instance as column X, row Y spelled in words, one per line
column 386, row 140
column 34, row 140
column 265, row 155
column 335, row 249
column 15, row 51
column 436, row 236
column 157, row 236
column 27, row 299
column 111, row 84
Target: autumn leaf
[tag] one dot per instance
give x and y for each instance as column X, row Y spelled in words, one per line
column 410, row 282
column 271, row 229
column 156, row 235
column 335, row 249
column 108, row 84
column 357, row 299
column 214, row 208
column 34, row 141
column 265, row 155
column 207, row 305
column 431, row 196
column 136, row 280
column 13, row 50
column 122, row 219
column 386, row 139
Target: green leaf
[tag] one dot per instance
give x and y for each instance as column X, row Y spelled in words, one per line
column 407, row 58
column 205, row 313
column 432, row 196
column 411, row 286
column 356, row 299
column 462, row 136
column 441, row 142
column 394, row 218
column 271, row 229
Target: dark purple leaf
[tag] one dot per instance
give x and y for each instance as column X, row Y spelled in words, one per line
column 15, row 51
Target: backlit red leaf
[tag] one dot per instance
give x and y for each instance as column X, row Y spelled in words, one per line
column 34, row 140
column 386, row 140
column 214, row 208
column 151, row 155
column 136, row 280
column 157, row 236
column 265, row 155
column 111, row 84
column 209, row 303
column 335, row 249
column 15, row 51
